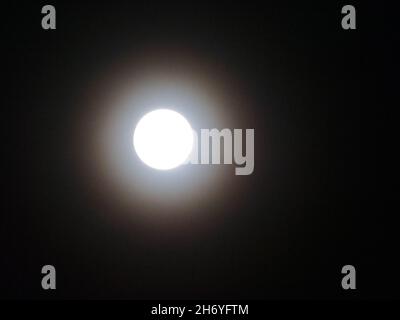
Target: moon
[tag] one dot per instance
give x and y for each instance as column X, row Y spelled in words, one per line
column 163, row 139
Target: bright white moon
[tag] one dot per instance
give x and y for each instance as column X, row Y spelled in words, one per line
column 163, row 139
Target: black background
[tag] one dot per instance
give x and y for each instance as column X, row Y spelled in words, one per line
column 313, row 204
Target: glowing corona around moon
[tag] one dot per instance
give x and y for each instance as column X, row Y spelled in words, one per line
column 163, row 139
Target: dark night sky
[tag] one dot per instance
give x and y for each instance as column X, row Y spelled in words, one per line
column 310, row 90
